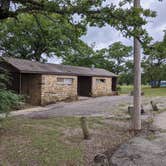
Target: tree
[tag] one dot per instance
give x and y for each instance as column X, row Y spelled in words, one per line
column 37, row 37
column 127, row 75
column 155, row 62
column 136, row 118
column 92, row 12
column 119, row 54
column 81, row 56
column 113, row 58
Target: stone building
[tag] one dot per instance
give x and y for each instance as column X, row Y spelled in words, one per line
column 43, row 84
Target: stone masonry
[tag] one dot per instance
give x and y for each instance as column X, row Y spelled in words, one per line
column 101, row 88
column 53, row 91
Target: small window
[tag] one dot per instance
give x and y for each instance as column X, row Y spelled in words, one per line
column 100, row 80
column 65, row 81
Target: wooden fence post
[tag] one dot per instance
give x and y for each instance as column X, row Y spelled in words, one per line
column 84, row 127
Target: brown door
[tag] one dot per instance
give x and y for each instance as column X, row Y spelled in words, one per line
column 84, row 86
column 114, row 82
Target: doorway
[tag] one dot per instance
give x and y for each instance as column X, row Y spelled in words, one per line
column 84, row 86
column 114, row 83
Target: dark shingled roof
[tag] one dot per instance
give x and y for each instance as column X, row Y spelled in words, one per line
column 27, row 66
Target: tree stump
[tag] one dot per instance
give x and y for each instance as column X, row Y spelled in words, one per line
column 154, row 106
column 84, row 127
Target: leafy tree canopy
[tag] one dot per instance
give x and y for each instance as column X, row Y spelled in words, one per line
column 155, row 61
column 112, row 58
column 93, row 12
column 37, row 36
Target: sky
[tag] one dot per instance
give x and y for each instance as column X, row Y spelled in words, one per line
column 103, row 37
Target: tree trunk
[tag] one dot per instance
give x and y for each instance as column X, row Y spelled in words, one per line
column 136, row 118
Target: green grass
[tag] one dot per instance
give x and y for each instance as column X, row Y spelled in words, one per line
column 148, row 91
column 39, row 142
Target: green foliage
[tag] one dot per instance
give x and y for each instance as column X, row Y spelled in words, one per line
column 119, row 53
column 81, row 56
column 155, row 62
column 127, row 75
column 128, row 20
column 37, row 37
column 8, row 101
column 113, row 58
column 4, row 78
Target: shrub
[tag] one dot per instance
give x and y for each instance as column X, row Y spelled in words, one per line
column 9, row 101
column 118, row 88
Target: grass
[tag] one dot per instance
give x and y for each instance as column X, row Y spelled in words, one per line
column 56, row 141
column 38, row 142
column 148, row 91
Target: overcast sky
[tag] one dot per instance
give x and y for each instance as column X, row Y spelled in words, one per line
column 105, row 36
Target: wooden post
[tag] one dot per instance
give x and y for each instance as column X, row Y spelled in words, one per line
column 154, row 106
column 84, row 128
column 136, row 119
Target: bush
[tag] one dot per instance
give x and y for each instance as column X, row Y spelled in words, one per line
column 118, row 88
column 9, row 101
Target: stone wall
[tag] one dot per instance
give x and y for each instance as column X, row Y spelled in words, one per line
column 31, row 88
column 100, row 88
column 53, row 91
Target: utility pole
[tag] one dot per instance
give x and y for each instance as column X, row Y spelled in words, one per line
column 136, row 119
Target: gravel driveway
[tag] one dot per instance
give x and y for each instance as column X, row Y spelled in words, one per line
column 100, row 106
column 106, row 106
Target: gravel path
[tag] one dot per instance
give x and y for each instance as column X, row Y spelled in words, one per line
column 100, row 106
column 106, row 106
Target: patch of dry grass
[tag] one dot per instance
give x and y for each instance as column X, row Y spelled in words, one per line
column 58, row 141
